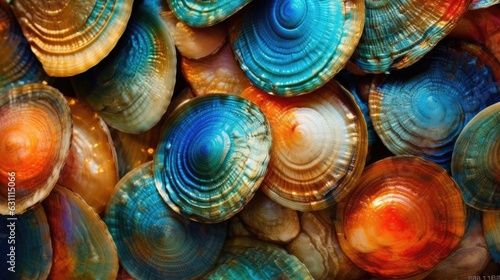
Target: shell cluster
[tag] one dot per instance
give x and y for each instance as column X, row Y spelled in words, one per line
column 249, row 139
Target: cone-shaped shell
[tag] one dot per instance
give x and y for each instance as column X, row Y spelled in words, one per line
column 212, row 156
column 476, row 160
column 205, row 12
column 18, row 64
column 35, row 137
column 396, row 34
column 26, row 246
column 132, row 87
column 491, row 229
column 405, row 215
column 422, row 109
column 290, row 47
column 82, row 245
column 91, row 169
column 153, row 241
column 319, row 146
column 250, row 258
column 69, row 37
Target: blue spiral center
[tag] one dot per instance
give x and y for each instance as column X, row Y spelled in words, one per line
column 291, row 13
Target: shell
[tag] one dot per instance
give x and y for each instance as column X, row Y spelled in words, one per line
column 82, row 245
column 153, row 241
column 289, row 47
column 132, row 87
column 212, row 156
column 26, row 246
column 91, row 169
column 18, row 64
column 35, row 137
column 491, row 229
column 270, row 221
column 218, row 73
column 476, row 160
column 405, row 216
column 70, row 37
column 481, row 4
column 202, row 13
column 249, row 258
column 422, row 109
column 192, row 42
column 396, row 34
column 319, row 146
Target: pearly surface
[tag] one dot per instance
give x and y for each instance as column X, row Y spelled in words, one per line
column 203, row 13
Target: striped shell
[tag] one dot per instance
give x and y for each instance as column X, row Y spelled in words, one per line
column 491, row 229
column 202, row 13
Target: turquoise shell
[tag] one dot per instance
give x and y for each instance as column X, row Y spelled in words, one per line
column 475, row 164
column 480, row 4
column 153, row 241
column 212, row 156
column 292, row 47
column 132, row 87
column 31, row 242
column 421, row 110
column 202, row 13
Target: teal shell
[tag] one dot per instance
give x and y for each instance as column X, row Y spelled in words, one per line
column 212, row 156
column 201, row 13
column 480, row 4
column 153, row 241
column 31, row 243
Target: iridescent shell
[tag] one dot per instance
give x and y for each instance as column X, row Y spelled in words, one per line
column 35, row 137
column 491, row 229
column 421, row 110
column 192, row 42
column 396, row 34
column 132, row 87
column 69, row 37
column 212, row 156
column 250, row 258
column 91, row 169
column 153, row 241
column 289, row 47
column 405, row 215
column 18, row 64
column 481, row 4
column 82, row 245
column 476, row 160
column 217, row 73
column 318, row 248
column 270, row 221
column 319, row 146
column 26, row 246
column 205, row 12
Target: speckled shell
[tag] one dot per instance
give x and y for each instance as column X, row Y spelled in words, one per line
column 82, row 245
column 319, row 146
column 476, row 160
column 212, row 156
column 422, row 109
column 35, row 137
column 249, row 258
column 289, row 47
column 28, row 234
column 18, row 64
column 405, row 215
column 153, row 241
column 91, row 169
column 205, row 12
column 69, row 37
column 491, row 229
column 396, row 34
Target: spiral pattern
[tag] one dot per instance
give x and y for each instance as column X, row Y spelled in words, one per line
column 35, row 137
column 153, row 241
column 212, row 156
column 422, row 109
column 291, row 47
column 398, row 33
column 201, row 13
column 476, row 160
column 319, row 146
column 405, row 215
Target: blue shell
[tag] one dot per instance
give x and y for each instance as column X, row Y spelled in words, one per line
column 291, row 47
column 153, row 241
column 205, row 12
column 421, row 110
column 480, row 4
column 212, row 156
